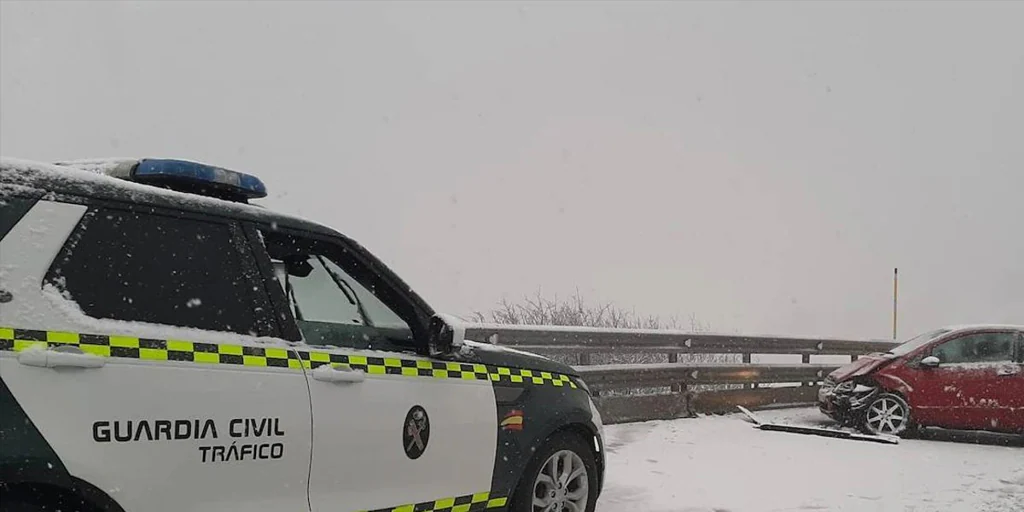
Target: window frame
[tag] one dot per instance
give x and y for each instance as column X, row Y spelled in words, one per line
column 931, row 349
column 396, row 298
column 265, row 323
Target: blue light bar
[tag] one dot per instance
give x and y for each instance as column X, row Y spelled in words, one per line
column 197, row 178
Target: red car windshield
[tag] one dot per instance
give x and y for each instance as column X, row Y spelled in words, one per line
column 916, row 342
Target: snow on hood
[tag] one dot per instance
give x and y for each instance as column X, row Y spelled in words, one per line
column 468, row 346
column 862, row 366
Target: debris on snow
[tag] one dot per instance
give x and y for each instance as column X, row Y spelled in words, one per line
column 698, row 464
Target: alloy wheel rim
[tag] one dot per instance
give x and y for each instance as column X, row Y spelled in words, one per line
column 562, row 485
column 887, row 416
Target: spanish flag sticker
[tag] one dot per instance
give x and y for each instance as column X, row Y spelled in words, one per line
column 513, row 420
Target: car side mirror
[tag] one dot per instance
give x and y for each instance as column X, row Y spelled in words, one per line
column 298, row 266
column 930, row 362
column 446, row 334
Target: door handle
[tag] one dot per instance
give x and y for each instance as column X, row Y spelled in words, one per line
column 338, row 373
column 1007, row 372
column 62, row 357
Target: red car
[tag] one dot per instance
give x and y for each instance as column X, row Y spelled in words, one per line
column 965, row 378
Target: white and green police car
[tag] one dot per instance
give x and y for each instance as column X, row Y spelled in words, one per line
column 167, row 346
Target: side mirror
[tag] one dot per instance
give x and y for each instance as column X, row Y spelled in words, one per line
column 930, row 362
column 446, row 334
column 298, row 266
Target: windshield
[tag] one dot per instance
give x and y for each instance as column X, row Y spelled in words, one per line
column 917, row 342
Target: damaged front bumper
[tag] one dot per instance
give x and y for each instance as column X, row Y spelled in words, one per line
column 845, row 401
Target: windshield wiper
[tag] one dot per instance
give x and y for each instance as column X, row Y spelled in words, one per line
column 350, row 293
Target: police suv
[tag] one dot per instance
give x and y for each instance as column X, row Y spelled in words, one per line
column 167, row 346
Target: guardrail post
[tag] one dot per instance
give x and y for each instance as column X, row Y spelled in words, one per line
column 746, row 360
column 673, row 357
column 805, row 359
column 584, row 358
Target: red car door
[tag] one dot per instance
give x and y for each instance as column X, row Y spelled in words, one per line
column 972, row 387
column 1012, row 379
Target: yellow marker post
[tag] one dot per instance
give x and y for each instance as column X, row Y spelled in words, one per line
column 895, row 289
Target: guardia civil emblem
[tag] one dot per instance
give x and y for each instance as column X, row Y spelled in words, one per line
column 416, row 433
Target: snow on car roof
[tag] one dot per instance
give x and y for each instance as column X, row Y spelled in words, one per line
column 91, row 173
column 972, row 327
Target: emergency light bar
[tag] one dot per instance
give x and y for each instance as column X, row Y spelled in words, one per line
column 191, row 177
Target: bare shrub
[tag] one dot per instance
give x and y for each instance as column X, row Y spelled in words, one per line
column 575, row 311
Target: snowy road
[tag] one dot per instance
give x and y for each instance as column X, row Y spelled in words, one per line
column 723, row 464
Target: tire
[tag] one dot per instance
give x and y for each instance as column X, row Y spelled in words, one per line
column 42, row 499
column 21, row 504
column 567, row 446
column 17, row 505
column 888, row 414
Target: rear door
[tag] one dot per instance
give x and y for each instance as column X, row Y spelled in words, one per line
column 968, row 389
column 391, row 428
column 131, row 340
column 1012, row 379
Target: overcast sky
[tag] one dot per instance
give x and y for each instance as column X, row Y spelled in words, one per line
column 762, row 166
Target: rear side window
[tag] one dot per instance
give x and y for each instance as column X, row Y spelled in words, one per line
column 1020, row 347
column 996, row 347
column 145, row 267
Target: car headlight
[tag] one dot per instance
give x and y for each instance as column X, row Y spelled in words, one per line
column 861, row 395
column 599, row 423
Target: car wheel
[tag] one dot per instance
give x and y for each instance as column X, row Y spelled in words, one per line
column 887, row 414
column 23, row 504
column 42, row 499
column 561, row 477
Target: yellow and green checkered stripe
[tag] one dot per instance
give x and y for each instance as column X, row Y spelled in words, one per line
column 435, row 369
column 240, row 355
column 483, row 501
column 149, row 349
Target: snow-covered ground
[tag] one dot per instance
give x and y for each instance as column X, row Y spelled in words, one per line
column 722, row 463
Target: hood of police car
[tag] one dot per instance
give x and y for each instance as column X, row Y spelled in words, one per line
column 490, row 354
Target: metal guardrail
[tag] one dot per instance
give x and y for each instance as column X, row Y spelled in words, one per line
column 679, row 386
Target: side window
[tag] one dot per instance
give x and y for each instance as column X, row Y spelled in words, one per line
column 314, row 295
column 1020, row 347
column 993, row 347
column 330, row 304
column 377, row 313
column 144, row 267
